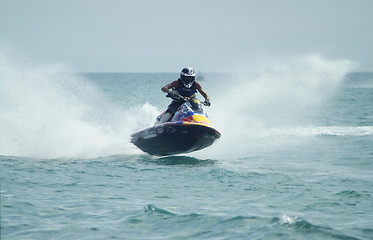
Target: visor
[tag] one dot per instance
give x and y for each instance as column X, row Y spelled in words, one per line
column 188, row 79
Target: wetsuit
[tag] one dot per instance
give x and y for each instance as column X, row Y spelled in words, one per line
column 183, row 91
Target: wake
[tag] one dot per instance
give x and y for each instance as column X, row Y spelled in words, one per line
column 48, row 111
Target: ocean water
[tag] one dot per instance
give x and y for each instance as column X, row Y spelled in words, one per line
column 295, row 160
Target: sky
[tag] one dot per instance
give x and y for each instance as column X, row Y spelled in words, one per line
column 166, row 35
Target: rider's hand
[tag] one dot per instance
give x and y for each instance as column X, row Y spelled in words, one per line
column 207, row 102
column 173, row 94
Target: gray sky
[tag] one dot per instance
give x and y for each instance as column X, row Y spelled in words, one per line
column 165, row 35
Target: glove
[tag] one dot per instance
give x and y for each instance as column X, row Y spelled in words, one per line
column 207, row 102
column 173, row 94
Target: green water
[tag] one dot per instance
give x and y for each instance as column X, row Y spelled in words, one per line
column 289, row 171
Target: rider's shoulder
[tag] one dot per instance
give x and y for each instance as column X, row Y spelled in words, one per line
column 175, row 83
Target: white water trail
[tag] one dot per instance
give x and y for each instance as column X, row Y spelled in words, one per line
column 49, row 112
column 267, row 109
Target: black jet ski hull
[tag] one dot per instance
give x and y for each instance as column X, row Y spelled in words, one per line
column 170, row 139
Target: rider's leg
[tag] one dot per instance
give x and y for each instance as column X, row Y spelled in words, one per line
column 170, row 111
column 165, row 117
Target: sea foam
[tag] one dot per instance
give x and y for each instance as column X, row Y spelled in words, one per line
column 47, row 111
column 285, row 96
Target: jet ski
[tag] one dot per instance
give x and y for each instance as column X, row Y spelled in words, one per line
column 188, row 130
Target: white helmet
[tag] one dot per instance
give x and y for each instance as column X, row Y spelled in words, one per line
column 188, row 76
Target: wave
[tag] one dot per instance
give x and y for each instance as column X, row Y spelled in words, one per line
column 47, row 111
column 154, row 221
column 323, row 131
column 305, row 228
column 280, row 100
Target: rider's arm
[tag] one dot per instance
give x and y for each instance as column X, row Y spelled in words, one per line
column 174, row 84
column 200, row 90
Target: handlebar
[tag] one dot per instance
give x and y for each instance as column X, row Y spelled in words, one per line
column 176, row 96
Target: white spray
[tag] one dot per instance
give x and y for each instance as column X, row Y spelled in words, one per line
column 265, row 109
column 47, row 112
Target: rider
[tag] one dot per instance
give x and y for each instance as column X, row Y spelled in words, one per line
column 185, row 86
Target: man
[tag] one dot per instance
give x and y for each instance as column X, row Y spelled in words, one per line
column 185, row 86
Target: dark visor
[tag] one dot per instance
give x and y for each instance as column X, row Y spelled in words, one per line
column 188, row 79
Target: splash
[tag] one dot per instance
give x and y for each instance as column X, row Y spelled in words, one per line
column 47, row 111
column 286, row 95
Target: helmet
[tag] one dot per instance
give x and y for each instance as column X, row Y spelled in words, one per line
column 188, row 75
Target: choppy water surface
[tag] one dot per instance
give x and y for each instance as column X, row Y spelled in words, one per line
column 282, row 169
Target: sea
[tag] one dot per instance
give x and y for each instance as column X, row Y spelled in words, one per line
column 294, row 161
